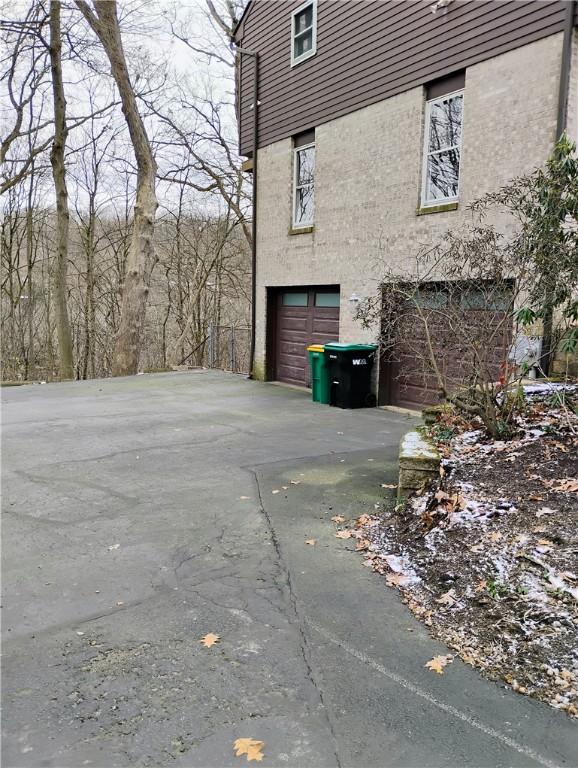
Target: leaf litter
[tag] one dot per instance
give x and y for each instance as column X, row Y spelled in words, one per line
column 487, row 557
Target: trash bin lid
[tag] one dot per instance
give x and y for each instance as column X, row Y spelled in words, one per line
column 316, row 348
column 340, row 347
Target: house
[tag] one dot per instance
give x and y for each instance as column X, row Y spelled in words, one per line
column 348, row 93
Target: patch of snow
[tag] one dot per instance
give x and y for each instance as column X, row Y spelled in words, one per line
column 402, row 565
column 544, row 388
column 414, row 445
column 502, row 567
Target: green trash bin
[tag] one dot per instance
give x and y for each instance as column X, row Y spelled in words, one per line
column 320, row 386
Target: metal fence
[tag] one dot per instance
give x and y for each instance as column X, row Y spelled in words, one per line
column 228, row 348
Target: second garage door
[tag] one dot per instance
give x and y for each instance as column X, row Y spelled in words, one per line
column 304, row 316
column 486, row 332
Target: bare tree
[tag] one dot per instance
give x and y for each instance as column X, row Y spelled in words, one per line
column 104, row 22
column 203, row 130
column 62, row 214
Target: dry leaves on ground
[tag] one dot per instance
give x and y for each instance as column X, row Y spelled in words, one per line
column 250, row 747
column 343, row 534
column 210, row 639
column 438, row 663
column 568, row 485
column 311, row 542
column 337, row 519
column 449, row 598
column 396, row 579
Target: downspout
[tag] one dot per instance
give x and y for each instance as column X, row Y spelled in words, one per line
column 255, row 57
column 563, row 93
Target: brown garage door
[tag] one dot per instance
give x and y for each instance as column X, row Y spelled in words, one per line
column 304, row 316
column 465, row 325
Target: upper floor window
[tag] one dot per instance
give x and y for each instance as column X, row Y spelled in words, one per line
column 304, row 181
column 304, row 32
column 443, row 139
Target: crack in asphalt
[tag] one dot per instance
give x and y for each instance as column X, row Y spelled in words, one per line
column 304, row 645
column 417, row 691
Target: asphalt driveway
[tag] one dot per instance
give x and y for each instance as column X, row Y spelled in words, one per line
column 141, row 514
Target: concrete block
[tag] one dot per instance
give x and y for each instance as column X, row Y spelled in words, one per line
column 419, row 461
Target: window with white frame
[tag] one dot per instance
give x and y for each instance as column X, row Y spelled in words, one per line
column 304, row 185
column 304, row 32
column 443, row 139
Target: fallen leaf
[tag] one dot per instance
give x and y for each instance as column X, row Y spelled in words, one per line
column 285, row 487
column 362, row 520
column 396, row 580
column 273, row 492
column 494, row 536
column 338, row 519
column 295, row 482
column 343, row 534
column 250, row 747
column 209, row 640
column 568, row 485
column 311, row 542
column 361, row 545
column 388, row 485
column 449, row 598
column 535, row 498
column 438, row 663
column 481, row 585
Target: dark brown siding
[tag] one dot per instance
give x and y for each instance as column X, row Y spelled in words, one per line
column 369, row 50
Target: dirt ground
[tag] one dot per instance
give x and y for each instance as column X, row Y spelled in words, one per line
column 488, row 557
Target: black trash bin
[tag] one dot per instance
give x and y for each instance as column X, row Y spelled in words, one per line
column 349, row 367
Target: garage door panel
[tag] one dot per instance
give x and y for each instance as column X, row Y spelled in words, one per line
column 291, row 349
column 293, row 324
column 326, row 327
column 293, row 334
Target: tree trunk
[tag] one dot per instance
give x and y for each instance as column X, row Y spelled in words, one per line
column 62, row 215
column 140, row 258
column 89, row 308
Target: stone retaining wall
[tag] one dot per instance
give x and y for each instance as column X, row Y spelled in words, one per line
column 419, row 461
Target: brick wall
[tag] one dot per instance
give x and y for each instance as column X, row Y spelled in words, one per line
column 368, row 176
